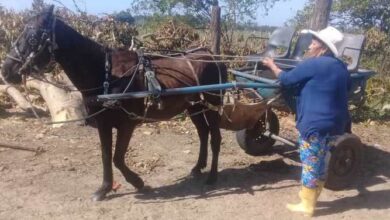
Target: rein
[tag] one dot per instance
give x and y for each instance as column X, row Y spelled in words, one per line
column 220, row 61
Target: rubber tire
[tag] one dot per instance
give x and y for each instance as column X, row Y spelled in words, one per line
column 252, row 141
column 345, row 162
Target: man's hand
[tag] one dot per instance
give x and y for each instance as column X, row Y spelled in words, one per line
column 269, row 62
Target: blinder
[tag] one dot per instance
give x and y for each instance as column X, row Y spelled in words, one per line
column 35, row 46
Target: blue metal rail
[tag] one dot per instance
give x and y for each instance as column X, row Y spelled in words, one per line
column 248, row 75
column 187, row 90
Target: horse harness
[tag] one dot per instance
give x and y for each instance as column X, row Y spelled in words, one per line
column 145, row 69
column 46, row 40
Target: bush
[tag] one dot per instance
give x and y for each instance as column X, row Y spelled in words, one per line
column 375, row 57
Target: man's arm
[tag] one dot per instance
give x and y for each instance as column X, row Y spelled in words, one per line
column 302, row 72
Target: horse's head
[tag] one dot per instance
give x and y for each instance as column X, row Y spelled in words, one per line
column 32, row 49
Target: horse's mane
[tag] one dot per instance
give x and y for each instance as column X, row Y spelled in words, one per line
column 79, row 39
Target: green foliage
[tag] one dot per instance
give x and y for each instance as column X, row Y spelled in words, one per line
column 375, row 57
column 377, row 51
column 364, row 13
column 377, row 105
column 169, row 7
column 124, row 16
column 37, row 5
column 232, row 9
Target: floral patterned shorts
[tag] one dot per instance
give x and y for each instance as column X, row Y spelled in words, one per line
column 315, row 156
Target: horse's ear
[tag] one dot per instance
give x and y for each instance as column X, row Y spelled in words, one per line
column 50, row 11
column 48, row 15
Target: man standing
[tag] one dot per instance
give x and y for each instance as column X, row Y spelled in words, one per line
column 322, row 109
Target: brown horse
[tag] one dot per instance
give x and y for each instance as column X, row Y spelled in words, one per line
column 83, row 60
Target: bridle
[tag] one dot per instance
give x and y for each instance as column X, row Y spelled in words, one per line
column 38, row 45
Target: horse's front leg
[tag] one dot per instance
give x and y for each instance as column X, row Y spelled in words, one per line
column 125, row 131
column 105, row 135
column 203, row 133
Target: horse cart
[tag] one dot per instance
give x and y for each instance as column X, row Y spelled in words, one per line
column 256, row 123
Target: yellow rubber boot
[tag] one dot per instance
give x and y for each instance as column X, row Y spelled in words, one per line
column 308, row 202
column 320, row 186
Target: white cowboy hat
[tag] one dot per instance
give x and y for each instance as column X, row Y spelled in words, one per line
column 330, row 36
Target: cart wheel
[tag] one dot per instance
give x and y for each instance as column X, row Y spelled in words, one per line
column 252, row 140
column 345, row 162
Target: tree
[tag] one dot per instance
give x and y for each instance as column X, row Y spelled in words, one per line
column 37, row 5
column 351, row 14
column 320, row 17
column 215, row 27
column 364, row 13
column 233, row 12
column 232, row 9
column 124, row 16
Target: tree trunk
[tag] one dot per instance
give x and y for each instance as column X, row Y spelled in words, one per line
column 321, row 13
column 63, row 105
column 17, row 97
column 215, row 28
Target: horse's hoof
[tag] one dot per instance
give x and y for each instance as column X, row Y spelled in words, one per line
column 101, row 193
column 138, row 183
column 98, row 196
column 145, row 189
column 196, row 173
column 202, row 166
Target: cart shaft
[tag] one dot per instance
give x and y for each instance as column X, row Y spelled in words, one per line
column 185, row 90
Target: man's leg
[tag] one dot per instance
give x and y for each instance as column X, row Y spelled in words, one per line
column 313, row 156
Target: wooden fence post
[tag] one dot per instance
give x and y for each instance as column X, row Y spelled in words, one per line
column 215, row 28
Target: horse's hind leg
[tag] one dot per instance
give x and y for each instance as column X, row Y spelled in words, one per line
column 203, row 132
column 105, row 135
column 214, row 119
column 123, row 138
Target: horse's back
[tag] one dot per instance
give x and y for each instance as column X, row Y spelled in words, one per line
column 188, row 69
column 195, row 68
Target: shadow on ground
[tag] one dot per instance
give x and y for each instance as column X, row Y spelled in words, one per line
column 375, row 171
column 373, row 200
column 256, row 177
column 263, row 175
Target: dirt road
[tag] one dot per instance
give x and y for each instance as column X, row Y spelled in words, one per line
column 58, row 183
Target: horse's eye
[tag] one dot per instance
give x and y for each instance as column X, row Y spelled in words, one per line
column 33, row 41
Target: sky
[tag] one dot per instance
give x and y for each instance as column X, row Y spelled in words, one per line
column 277, row 16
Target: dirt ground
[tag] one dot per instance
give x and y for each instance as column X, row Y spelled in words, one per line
column 58, row 183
